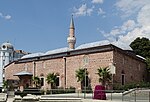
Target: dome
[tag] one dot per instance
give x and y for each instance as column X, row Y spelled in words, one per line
column 7, row 45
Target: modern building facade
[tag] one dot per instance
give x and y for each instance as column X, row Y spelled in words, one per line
column 129, row 68
column 7, row 55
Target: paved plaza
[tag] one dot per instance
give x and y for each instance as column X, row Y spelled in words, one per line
column 135, row 96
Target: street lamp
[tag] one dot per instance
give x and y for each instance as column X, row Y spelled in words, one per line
column 85, row 61
column 85, row 71
column 64, row 72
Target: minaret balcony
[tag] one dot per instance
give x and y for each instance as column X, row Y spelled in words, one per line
column 71, row 39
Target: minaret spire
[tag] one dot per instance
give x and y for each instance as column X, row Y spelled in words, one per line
column 71, row 39
column 72, row 23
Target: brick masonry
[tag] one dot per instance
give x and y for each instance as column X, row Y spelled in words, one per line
column 133, row 67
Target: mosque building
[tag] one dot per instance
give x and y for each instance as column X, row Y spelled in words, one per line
column 126, row 66
column 7, row 55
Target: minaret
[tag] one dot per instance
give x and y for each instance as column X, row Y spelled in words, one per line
column 71, row 39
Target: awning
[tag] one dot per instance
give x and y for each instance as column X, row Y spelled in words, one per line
column 23, row 73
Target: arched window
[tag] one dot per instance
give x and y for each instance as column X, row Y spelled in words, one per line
column 85, row 59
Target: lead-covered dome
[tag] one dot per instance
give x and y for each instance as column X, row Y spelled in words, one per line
column 7, row 45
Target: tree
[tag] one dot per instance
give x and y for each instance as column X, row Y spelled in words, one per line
column 52, row 79
column 81, row 74
column 36, row 81
column 148, row 64
column 141, row 46
column 104, row 75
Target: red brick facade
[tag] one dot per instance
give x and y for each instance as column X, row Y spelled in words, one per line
column 127, row 64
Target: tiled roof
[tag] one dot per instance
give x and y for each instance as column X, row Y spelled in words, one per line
column 33, row 55
column 57, row 51
column 65, row 49
column 93, row 44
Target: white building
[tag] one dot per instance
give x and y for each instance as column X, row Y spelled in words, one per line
column 7, row 55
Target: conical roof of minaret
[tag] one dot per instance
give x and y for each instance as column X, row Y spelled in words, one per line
column 72, row 23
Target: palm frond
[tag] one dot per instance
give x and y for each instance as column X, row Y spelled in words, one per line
column 104, row 74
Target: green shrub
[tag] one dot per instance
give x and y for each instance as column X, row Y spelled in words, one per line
column 23, row 94
column 144, row 85
column 18, row 92
column 88, row 90
column 33, row 91
column 42, row 92
column 131, row 86
column 48, row 91
column 124, row 87
column 61, row 90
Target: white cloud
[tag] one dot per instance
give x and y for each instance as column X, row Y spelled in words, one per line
column 128, row 25
column 6, row 17
column 97, row 1
column 100, row 11
column 136, row 22
column 139, row 26
column 1, row 15
column 144, row 15
column 89, row 11
column 115, row 32
column 83, row 10
column 129, row 7
column 124, row 41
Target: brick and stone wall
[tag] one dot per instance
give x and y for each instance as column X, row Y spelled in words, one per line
column 132, row 67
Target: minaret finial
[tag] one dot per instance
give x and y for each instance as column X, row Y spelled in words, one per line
column 71, row 39
column 72, row 22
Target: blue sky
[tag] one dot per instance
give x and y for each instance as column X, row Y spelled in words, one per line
column 43, row 25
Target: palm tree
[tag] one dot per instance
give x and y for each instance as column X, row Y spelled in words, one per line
column 36, row 81
column 104, row 75
column 5, row 84
column 51, row 79
column 80, row 74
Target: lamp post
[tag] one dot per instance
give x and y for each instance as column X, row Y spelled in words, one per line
column 86, row 61
column 34, row 68
column 85, row 71
column 64, row 72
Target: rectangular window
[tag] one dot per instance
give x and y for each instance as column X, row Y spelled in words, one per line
column 86, row 82
column 123, row 79
column 57, row 81
column 42, row 81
